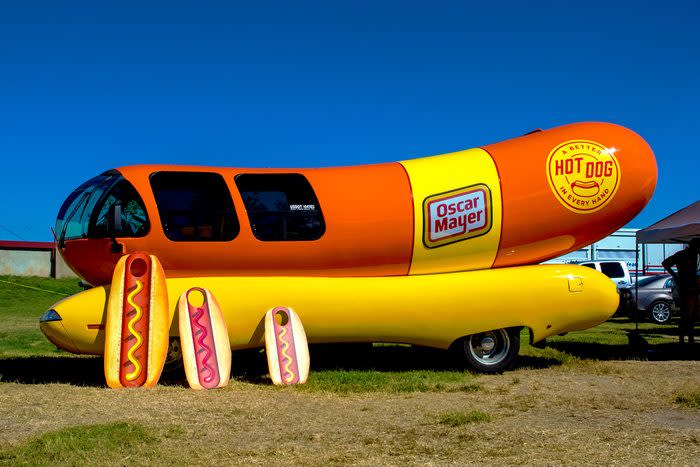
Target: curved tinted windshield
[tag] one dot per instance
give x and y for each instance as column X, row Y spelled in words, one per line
column 85, row 212
column 132, row 221
column 74, row 215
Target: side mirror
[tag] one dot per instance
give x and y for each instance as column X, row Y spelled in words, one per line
column 114, row 226
column 114, row 220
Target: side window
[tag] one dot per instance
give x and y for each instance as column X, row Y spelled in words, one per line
column 281, row 207
column 194, row 206
column 588, row 265
column 134, row 220
column 669, row 283
column 612, row 270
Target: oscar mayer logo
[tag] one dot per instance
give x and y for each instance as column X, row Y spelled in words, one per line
column 584, row 175
column 456, row 215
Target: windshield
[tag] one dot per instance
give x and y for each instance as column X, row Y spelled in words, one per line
column 133, row 220
column 74, row 215
column 84, row 213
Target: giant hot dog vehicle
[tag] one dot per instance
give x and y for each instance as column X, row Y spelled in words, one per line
column 440, row 251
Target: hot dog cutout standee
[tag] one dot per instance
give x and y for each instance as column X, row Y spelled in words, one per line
column 136, row 330
column 206, row 351
column 286, row 347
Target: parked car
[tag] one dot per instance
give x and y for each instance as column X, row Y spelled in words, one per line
column 655, row 298
column 615, row 270
column 676, row 295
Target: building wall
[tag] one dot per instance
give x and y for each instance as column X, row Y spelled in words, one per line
column 620, row 246
column 25, row 263
column 62, row 269
column 17, row 262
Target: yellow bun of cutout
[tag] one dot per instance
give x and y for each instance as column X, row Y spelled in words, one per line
column 286, row 347
column 204, row 339
column 137, row 323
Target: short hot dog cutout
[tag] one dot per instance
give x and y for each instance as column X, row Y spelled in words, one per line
column 206, row 350
column 286, row 347
column 136, row 329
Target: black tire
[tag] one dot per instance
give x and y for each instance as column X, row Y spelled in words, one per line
column 173, row 360
column 490, row 351
column 660, row 311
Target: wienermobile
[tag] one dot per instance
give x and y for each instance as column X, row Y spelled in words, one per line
column 440, row 251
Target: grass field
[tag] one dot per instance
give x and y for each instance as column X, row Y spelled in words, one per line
column 20, row 308
column 585, row 398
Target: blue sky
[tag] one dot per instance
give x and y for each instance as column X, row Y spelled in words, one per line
column 86, row 86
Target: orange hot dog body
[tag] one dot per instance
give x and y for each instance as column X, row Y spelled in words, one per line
column 376, row 215
column 538, row 226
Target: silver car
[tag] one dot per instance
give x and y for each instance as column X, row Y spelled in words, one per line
column 655, row 298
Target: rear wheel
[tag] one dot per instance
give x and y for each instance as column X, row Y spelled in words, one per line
column 490, row 351
column 660, row 311
column 173, row 360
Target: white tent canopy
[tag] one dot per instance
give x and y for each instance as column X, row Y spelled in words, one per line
column 679, row 227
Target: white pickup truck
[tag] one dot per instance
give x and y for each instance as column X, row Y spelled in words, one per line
column 615, row 270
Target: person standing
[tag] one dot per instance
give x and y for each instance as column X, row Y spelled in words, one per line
column 687, row 263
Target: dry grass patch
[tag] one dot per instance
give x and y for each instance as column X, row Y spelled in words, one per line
column 550, row 416
column 688, row 398
column 463, row 418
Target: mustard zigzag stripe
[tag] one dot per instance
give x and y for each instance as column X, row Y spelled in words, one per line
column 139, row 340
column 288, row 364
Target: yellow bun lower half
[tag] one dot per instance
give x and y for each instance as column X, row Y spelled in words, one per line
column 113, row 326
column 158, row 324
column 300, row 345
column 221, row 340
column 222, row 346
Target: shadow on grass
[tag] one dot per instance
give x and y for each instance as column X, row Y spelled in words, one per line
column 381, row 358
column 633, row 351
column 80, row 371
column 251, row 365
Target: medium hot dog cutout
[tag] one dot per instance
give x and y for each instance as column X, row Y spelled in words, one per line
column 286, row 347
column 585, row 189
column 206, row 350
column 136, row 331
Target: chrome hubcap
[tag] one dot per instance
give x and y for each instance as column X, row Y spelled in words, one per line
column 487, row 343
column 488, row 348
column 174, row 351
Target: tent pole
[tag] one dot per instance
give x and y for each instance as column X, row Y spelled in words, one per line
column 636, row 286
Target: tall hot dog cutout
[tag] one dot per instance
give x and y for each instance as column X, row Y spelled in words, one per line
column 286, row 347
column 136, row 331
column 206, row 350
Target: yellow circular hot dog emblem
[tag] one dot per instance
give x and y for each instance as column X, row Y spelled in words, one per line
column 583, row 175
